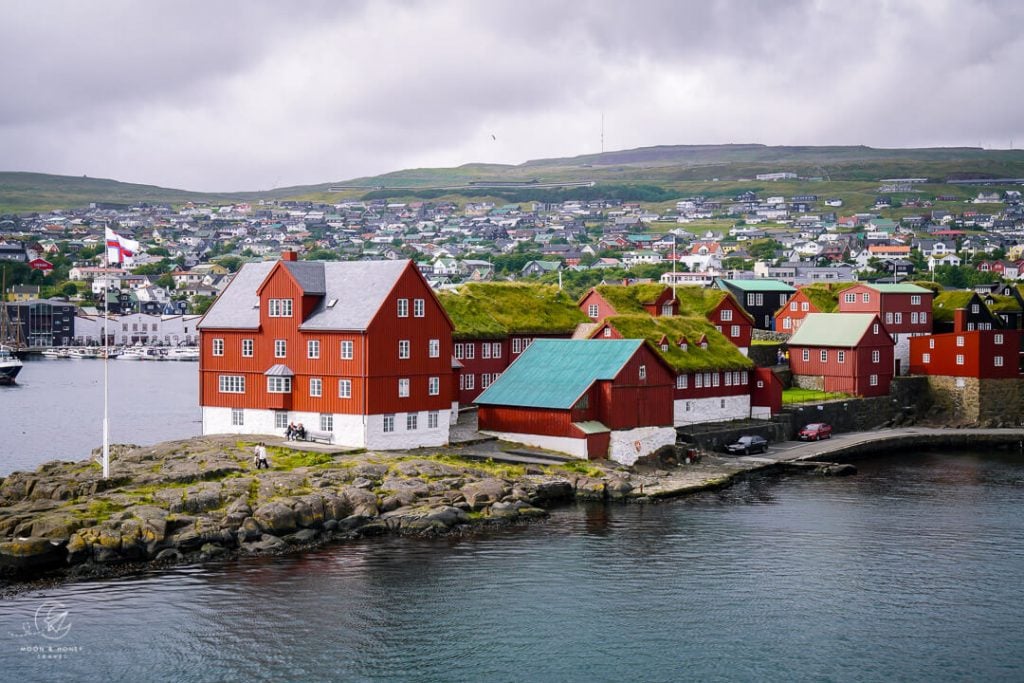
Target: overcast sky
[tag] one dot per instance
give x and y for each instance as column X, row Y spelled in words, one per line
column 249, row 95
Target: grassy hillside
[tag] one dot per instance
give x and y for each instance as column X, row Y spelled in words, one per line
column 851, row 173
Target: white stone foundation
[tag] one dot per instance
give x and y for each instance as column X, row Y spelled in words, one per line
column 628, row 446
column 688, row 411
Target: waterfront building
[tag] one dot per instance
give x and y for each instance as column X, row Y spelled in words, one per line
column 495, row 322
column 848, row 353
column 43, row 322
column 359, row 350
column 138, row 328
column 588, row 398
column 904, row 309
column 711, row 378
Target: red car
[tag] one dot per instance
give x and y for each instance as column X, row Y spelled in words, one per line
column 815, row 432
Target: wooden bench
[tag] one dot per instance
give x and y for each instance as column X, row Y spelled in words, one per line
column 317, row 435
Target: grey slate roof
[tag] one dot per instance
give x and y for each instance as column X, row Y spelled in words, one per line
column 359, row 288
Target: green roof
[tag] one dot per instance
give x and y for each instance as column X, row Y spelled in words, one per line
column 555, row 373
column 832, row 329
column 630, row 298
column 1002, row 303
column 759, row 285
column 903, row 288
column 824, row 297
column 494, row 310
column 721, row 354
column 945, row 304
column 697, row 300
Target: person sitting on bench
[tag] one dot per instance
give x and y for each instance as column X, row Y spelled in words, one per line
column 300, row 432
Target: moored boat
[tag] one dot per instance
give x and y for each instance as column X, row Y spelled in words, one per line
column 189, row 353
column 10, row 365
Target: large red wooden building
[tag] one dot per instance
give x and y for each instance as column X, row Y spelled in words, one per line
column 589, row 398
column 904, row 309
column 359, row 349
column 848, row 353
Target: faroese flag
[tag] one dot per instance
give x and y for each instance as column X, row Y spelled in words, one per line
column 120, row 249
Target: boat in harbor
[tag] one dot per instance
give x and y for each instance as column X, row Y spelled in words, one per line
column 83, row 352
column 188, row 353
column 142, row 353
column 54, row 353
column 10, row 365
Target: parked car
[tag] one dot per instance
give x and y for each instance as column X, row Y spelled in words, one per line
column 748, row 444
column 815, row 432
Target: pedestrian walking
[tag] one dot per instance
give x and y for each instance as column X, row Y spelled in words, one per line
column 260, row 456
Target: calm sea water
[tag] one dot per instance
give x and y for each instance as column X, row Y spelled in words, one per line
column 55, row 411
column 910, row 571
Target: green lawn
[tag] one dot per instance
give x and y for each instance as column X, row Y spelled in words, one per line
column 798, row 395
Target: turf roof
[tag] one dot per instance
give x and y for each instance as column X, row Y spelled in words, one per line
column 945, row 304
column 631, row 298
column 494, row 310
column 696, row 300
column 825, row 297
column 721, row 354
column 1002, row 303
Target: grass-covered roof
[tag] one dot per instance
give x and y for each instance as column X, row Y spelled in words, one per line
column 627, row 299
column 696, row 300
column 1002, row 303
column 825, row 296
column 945, row 304
column 494, row 310
column 721, row 354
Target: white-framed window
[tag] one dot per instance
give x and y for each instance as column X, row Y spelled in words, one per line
column 915, row 300
column 970, row 327
column 787, row 323
column 279, row 385
column 959, row 359
column 824, row 355
column 643, row 372
column 682, row 381
column 666, row 309
column 876, row 356
column 403, row 348
column 960, row 340
column 707, row 379
column 280, row 419
column 496, row 350
column 218, row 347
column 592, row 310
column 888, row 317
column 389, row 423
column 926, row 358
column 997, row 338
column 793, row 305
column 419, row 308
column 411, row 421
column 913, row 317
column 841, row 356
column 931, row 343
column 607, row 331
column 470, row 350
column 698, row 380
column 874, row 328
column 470, row 381
column 805, row 306
column 807, row 354
column 326, row 423
column 734, row 331
column 460, row 351
column 865, row 297
column 403, row 308
column 312, row 348
column 782, row 299
column 247, row 348
column 432, row 419
column 850, row 298
column 974, row 309
column 726, row 315
column 923, row 318
column 714, row 379
column 485, row 350
column 346, row 350
column 434, row 386
column 237, row 417
column 231, row 384
column 997, row 361
column 898, row 318
column 403, row 387
column 873, row 380
column 727, row 379
column 316, row 387
column 746, row 377
column 344, row 388
column 279, row 308
column 280, row 348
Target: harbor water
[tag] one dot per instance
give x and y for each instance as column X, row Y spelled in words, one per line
column 911, row 571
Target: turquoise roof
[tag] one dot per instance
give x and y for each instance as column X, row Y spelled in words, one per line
column 554, row 373
column 760, row 285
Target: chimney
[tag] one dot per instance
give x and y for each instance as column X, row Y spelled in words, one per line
column 289, row 255
column 960, row 320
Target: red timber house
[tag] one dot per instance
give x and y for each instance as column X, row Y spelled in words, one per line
column 712, row 380
column 814, row 298
column 359, row 349
column 848, row 353
column 590, row 399
column 495, row 322
column 904, row 309
column 973, row 375
column 657, row 300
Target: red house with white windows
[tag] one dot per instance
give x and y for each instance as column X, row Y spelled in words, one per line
column 904, row 309
column 848, row 353
column 360, row 351
column 981, row 354
column 608, row 300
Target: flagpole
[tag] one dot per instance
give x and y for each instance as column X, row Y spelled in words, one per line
column 106, row 359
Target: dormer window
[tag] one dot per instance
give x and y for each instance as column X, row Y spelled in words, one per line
column 279, row 308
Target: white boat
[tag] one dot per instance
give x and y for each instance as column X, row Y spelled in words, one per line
column 142, row 353
column 55, row 353
column 10, row 365
column 190, row 353
column 82, row 352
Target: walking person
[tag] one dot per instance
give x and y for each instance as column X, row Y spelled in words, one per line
column 260, row 456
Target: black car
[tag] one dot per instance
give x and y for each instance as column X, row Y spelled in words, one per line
column 748, row 445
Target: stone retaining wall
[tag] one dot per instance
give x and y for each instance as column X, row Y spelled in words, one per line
column 968, row 400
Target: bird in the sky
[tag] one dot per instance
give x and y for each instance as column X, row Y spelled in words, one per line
column 492, row 137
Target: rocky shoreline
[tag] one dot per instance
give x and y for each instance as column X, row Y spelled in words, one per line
column 200, row 499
